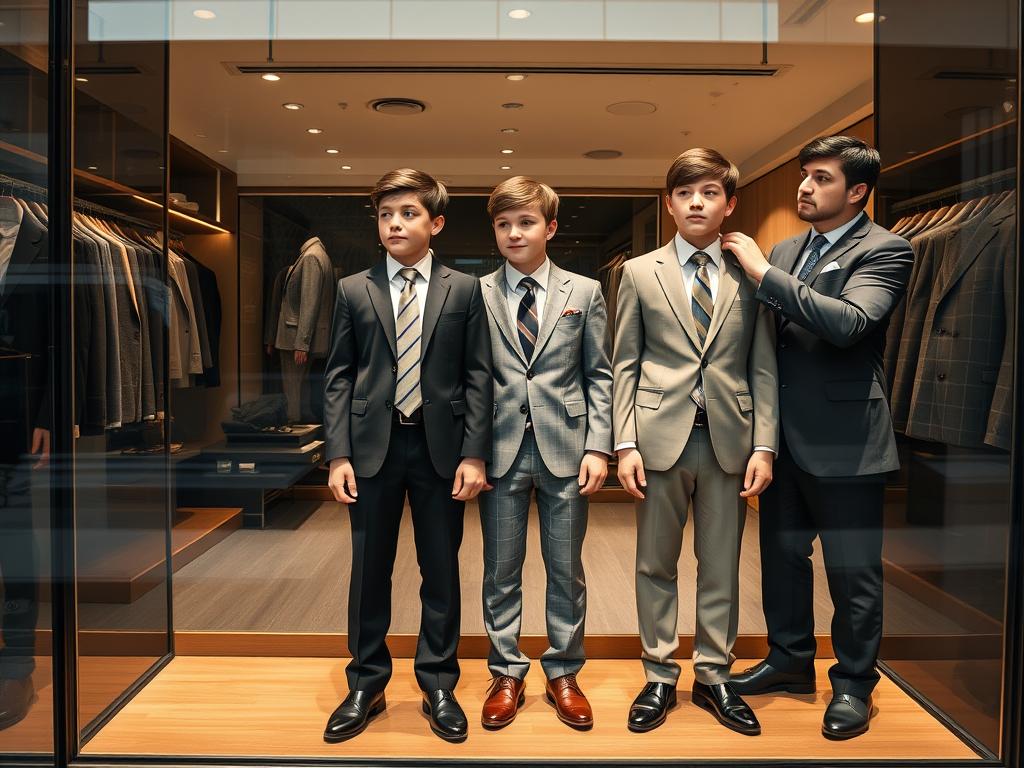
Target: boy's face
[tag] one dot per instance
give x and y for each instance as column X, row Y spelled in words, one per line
column 406, row 227
column 522, row 236
column 699, row 208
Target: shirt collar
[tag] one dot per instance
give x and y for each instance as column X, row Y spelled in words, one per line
column 422, row 266
column 684, row 251
column 834, row 235
column 513, row 275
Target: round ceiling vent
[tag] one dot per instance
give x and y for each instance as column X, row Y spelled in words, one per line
column 398, row 106
column 603, row 154
column 632, row 108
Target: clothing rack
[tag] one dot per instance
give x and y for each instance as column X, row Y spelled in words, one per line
column 982, row 183
column 9, row 183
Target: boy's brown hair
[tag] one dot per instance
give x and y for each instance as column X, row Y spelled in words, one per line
column 429, row 191
column 519, row 192
column 701, row 163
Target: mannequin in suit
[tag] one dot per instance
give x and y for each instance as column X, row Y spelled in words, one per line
column 408, row 403
column 833, row 290
column 695, row 421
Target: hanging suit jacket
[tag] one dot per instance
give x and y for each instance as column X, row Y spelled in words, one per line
column 305, row 319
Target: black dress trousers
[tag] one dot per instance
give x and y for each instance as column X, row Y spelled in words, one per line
column 437, row 525
column 846, row 513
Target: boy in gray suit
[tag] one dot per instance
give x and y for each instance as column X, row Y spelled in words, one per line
column 552, row 437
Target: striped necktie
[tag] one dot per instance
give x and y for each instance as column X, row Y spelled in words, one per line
column 407, row 388
column 819, row 242
column 526, row 318
column 703, row 307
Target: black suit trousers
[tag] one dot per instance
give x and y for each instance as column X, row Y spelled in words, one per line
column 437, row 526
column 846, row 514
column 19, row 573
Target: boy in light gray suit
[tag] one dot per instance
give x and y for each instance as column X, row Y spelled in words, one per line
column 552, row 437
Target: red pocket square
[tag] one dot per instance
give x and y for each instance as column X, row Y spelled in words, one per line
column 571, row 312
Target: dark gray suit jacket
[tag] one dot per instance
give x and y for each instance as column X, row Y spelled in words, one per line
column 831, row 338
column 455, row 371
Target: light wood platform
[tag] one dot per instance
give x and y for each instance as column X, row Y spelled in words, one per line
column 266, row 707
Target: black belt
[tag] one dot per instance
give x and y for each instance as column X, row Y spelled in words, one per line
column 412, row 420
column 700, row 418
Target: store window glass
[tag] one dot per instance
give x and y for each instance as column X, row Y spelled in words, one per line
column 26, row 385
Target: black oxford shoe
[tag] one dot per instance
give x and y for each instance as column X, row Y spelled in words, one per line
column 764, row 678
column 846, row 716
column 728, row 708
column 447, row 719
column 16, row 696
column 651, row 707
column 353, row 715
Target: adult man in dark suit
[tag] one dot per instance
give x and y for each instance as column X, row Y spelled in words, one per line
column 408, row 404
column 832, row 289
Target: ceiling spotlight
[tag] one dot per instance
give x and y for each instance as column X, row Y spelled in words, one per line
column 346, row 167
column 507, row 151
column 222, row 151
column 505, row 168
column 92, row 168
column 314, row 130
column 200, row 134
column 519, row 14
column 205, row 15
column 510, row 130
column 292, row 105
column 81, row 79
column 867, row 18
column 270, row 77
column 515, row 78
column 333, row 151
column 512, row 105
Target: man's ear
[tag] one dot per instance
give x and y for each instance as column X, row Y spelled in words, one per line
column 856, row 193
column 436, row 225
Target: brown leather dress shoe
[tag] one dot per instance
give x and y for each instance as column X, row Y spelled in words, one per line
column 504, row 698
column 571, row 705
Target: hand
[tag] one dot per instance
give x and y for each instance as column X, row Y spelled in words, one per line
column 342, row 481
column 470, row 479
column 301, row 356
column 41, row 447
column 631, row 472
column 593, row 471
column 747, row 254
column 759, row 473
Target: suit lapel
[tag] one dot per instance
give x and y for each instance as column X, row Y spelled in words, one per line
column 788, row 255
column 976, row 242
column 849, row 239
column 728, row 285
column 559, row 288
column 380, row 297
column 671, row 278
column 26, row 249
column 494, row 295
column 437, row 293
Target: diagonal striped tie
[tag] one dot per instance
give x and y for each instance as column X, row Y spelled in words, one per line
column 703, row 307
column 526, row 318
column 819, row 242
column 407, row 388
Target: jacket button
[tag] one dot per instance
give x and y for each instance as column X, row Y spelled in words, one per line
column 387, row 404
column 394, row 369
column 704, row 363
column 426, row 402
column 783, row 346
column 522, row 409
column 941, row 377
column 783, row 386
column 529, row 374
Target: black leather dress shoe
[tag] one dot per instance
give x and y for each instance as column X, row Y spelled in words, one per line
column 16, row 696
column 447, row 719
column 846, row 716
column 651, row 707
column 728, row 708
column 353, row 715
column 764, row 678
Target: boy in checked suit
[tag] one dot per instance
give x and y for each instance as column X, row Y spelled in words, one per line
column 552, row 437
column 408, row 407
column 695, row 416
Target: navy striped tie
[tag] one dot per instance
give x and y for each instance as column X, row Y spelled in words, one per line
column 819, row 242
column 526, row 318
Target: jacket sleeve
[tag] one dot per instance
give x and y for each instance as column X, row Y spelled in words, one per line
column 629, row 342
column 479, row 384
column 870, row 294
column 597, row 374
column 339, row 379
column 762, row 373
column 309, row 303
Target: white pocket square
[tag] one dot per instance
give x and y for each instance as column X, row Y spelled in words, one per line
column 829, row 267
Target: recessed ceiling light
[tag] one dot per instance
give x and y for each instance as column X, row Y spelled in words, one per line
column 632, row 108
column 512, row 105
column 602, row 154
column 92, row 168
column 515, row 78
column 333, row 151
column 270, row 77
column 200, row 134
column 222, row 151
column 204, row 14
column 346, row 167
column 507, row 151
column 81, row 79
column 518, row 14
column 314, row 130
column 292, row 105
column 510, row 130
column 505, row 168
column 867, row 18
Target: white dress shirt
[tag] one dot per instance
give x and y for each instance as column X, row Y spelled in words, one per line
column 397, row 282
column 832, row 237
column 514, row 292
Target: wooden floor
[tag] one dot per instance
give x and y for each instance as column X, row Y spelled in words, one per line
column 223, row 707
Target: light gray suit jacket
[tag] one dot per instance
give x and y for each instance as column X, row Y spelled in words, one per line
column 307, row 301
column 566, row 388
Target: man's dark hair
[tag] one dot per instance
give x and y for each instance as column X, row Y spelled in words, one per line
column 860, row 163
